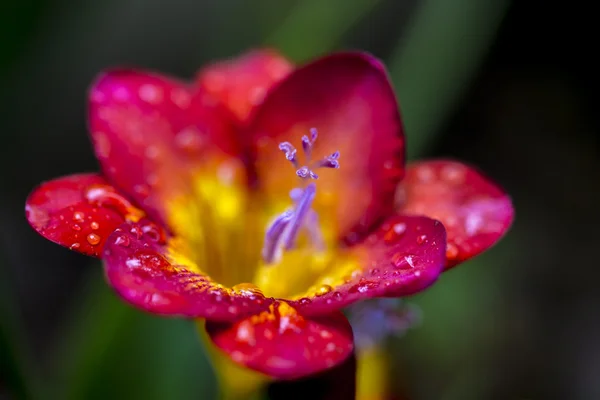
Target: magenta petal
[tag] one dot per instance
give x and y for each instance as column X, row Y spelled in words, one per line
column 240, row 84
column 78, row 211
column 347, row 97
column 137, row 266
column 475, row 212
column 283, row 344
column 404, row 256
column 151, row 132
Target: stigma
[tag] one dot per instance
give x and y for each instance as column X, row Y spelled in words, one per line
column 282, row 233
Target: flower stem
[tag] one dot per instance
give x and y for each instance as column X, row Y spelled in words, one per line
column 373, row 374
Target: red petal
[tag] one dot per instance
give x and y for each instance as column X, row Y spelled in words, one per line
column 404, row 256
column 78, row 212
column 149, row 131
column 139, row 267
column 475, row 212
column 283, row 344
column 348, row 98
column 241, row 84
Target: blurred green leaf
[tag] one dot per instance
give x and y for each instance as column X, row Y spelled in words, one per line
column 314, row 27
column 433, row 64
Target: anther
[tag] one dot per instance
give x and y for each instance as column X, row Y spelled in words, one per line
column 283, row 232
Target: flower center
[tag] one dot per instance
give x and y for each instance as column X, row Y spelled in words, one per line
column 282, row 233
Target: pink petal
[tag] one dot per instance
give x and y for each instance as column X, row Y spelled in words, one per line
column 150, row 131
column 348, row 98
column 242, row 83
column 78, row 212
column 138, row 267
column 404, row 256
column 475, row 212
column 283, row 344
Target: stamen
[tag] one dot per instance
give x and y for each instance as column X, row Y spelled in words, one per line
column 306, row 172
column 271, row 249
column 283, row 232
column 290, row 152
column 329, row 161
column 300, row 214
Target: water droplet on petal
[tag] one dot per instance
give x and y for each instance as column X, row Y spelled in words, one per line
column 153, row 232
column 78, row 216
column 421, row 239
column 451, row 251
column 338, row 295
column 304, row 301
column 323, row 290
column 394, row 233
column 94, row 225
column 248, row 290
column 245, row 333
column 137, row 231
column 75, row 246
column 400, row 261
column 93, row 239
column 363, row 286
column 76, row 227
column 122, row 240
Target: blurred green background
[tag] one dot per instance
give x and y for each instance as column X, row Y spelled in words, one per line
column 504, row 85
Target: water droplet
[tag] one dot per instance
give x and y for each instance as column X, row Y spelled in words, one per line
column 248, row 290
column 374, row 271
column 94, row 225
column 76, row 227
column 78, row 216
column 154, row 232
column 451, row 251
column 150, row 93
column 400, row 261
column 190, row 139
column 421, row 239
column 304, row 301
column 394, row 233
column 137, row 231
column 363, row 286
column 122, row 240
column 453, row 174
column 75, row 246
column 93, row 239
column 245, row 333
column 323, row 290
column 425, row 174
column 338, row 295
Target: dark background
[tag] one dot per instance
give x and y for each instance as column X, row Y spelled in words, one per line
column 507, row 86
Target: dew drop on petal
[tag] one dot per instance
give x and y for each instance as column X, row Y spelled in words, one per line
column 421, row 239
column 363, row 286
column 248, row 290
column 76, row 227
column 323, row 290
column 78, row 216
column 245, row 333
column 122, row 240
column 94, row 225
column 75, row 246
column 451, row 251
column 93, row 239
column 304, row 301
column 400, row 261
column 394, row 233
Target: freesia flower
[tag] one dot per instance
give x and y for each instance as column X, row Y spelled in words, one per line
column 260, row 198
